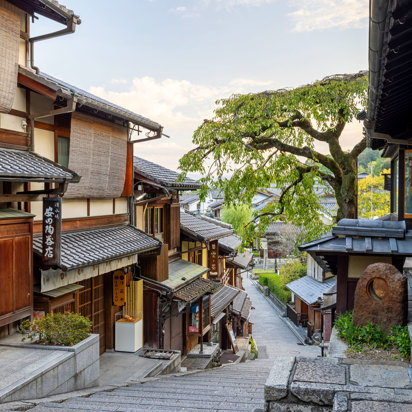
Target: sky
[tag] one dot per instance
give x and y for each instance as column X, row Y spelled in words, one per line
column 171, row 60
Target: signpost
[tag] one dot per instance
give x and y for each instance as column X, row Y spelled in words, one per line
column 52, row 222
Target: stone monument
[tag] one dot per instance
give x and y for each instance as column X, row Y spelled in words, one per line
column 381, row 297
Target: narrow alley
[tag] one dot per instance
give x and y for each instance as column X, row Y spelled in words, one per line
column 230, row 388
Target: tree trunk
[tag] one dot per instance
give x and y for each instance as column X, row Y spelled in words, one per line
column 347, row 193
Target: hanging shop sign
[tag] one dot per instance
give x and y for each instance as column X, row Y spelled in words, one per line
column 214, row 258
column 52, row 222
column 119, row 288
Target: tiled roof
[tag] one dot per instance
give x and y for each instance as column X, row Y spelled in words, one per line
column 161, row 175
column 91, row 247
column 182, row 272
column 230, row 243
column 87, row 99
column 239, row 302
column 221, row 299
column 201, row 229
column 242, row 260
column 28, row 165
column 195, row 289
column 353, row 236
column 309, row 289
column 13, row 214
column 187, row 198
column 216, row 204
column 247, row 306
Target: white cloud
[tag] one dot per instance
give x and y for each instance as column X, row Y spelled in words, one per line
column 312, row 15
column 180, row 9
column 180, row 106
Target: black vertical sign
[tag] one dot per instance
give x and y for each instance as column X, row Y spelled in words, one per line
column 52, row 222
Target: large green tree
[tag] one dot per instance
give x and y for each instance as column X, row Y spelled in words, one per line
column 258, row 140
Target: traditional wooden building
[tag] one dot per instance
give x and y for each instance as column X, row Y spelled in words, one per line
column 56, row 132
column 176, row 288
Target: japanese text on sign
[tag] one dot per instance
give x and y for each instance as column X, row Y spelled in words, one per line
column 51, row 230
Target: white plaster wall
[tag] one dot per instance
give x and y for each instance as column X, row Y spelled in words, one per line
column 72, row 208
column 121, row 205
column 44, row 143
column 36, row 209
column 19, row 102
column 358, row 264
column 10, row 122
column 22, row 52
column 101, row 207
column 140, row 217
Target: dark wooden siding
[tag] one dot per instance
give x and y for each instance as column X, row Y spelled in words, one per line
column 173, row 235
column 156, row 267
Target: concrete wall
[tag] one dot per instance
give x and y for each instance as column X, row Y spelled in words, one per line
column 76, row 369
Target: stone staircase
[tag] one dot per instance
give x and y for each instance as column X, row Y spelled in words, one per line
column 237, row 387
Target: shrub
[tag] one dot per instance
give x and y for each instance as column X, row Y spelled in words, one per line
column 372, row 336
column 264, row 278
column 292, row 271
column 277, row 287
column 57, row 329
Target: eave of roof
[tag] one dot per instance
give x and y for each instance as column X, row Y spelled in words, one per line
column 181, row 273
column 195, row 289
column 29, row 166
column 87, row 99
column 221, row 299
column 309, row 289
column 161, row 175
column 92, row 247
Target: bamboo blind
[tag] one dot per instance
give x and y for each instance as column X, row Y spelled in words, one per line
column 134, row 300
column 9, row 53
column 98, row 152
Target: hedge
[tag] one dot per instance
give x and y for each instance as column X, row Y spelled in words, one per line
column 275, row 285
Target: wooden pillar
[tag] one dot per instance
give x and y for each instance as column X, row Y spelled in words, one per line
column 342, row 285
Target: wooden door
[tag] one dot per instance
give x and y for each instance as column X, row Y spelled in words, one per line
column 91, row 305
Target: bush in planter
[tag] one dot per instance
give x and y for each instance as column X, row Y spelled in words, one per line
column 59, row 329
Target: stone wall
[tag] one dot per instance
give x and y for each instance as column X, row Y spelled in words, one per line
column 327, row 384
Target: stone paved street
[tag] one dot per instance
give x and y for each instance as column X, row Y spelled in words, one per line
column 272, row 336
column 230, row 388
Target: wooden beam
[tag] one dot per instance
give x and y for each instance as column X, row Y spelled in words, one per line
column 13, row 138
column 87, row 222
column 44, row 126
column 36, row 86
column 21, row 197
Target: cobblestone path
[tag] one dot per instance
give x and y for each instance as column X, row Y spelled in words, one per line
column 230, row 388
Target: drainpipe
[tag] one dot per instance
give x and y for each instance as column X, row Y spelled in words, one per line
column 70, row 28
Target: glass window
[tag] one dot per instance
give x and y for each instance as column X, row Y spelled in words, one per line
column 408, row 183
column 63, row 147
column 156, row 221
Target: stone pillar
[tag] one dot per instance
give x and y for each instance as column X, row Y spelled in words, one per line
column 407, row 271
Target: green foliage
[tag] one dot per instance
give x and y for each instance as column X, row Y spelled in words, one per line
column 257, row 140
column 237, row 215
column 373, row 200
column 57, row 329
column 372, row 336
column 366, row 157
column 292, row 271
column 253, row 348
column 277, row 283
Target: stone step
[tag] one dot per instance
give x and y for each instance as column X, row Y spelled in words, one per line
column 213, row 391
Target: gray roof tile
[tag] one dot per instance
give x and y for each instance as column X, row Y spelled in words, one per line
column 230, row 243
column 239, row 302
column 221, row 299
column 201, row 229
column 195, row 289
column 30, row 166
column 242, row 260
column 91, row 247
column 309, row 289
column 161, row 175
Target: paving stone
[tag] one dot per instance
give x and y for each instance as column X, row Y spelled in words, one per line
column 368, row 406
column 317, row 393
column 379, row 376
column 322, row 372
column 341, row 402
column 276, row 386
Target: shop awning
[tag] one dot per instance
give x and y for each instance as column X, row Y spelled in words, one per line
column 195, row 289
column 55, row 293
column 242, row 305
column 221, row 299
column 25, row 166
column 309, row 290
column 94, row 252
column 182, row 272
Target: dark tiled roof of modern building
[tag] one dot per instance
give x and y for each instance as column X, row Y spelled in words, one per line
column 221, row 299
column 87, row 99
column 201, row 229
column 195, row 289
column 91, row 247
column 309, row 289
column 30, row 166
column 165, row 177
